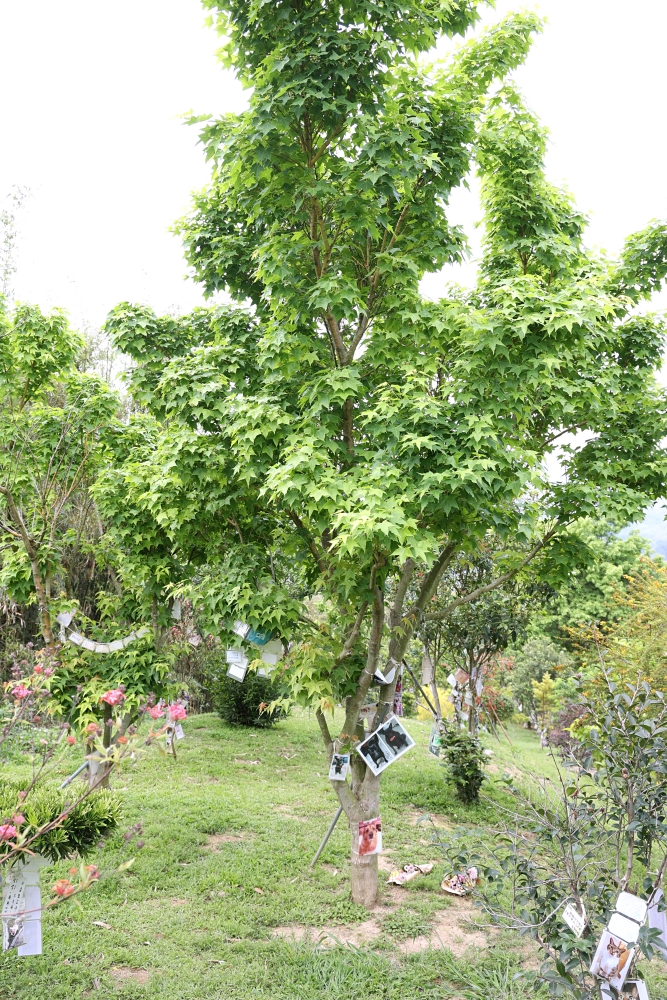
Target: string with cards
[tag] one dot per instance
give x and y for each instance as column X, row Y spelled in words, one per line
column 68, row 634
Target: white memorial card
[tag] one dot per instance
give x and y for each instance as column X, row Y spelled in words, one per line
column 574, row 919
column 340, row 765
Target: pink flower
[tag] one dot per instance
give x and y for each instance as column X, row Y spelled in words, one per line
column 18, row 819
column 93, row 729
column 177, row 713
column 113, row 697
column 20, row 692
column 49, row 671
column 38, row 668
column 71, row 740
column 8, row 832
column 92, row 872
column 63, row 887
column 155, row 712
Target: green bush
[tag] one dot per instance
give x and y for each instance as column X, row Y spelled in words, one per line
column 92, row 819
column 239, row 703
column 463, row 758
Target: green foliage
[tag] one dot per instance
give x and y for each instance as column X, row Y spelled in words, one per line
column 406, row 923
column 598, row 564
column 82, row 677
column 91, row 819
column 247, row 704
column 585, row 836
column 464, row 760
column 531, row 662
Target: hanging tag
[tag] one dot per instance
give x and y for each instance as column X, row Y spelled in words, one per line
column 13, row 907
column 340, row 765
column 178, row 732
column 574, row 919
column 435, row 742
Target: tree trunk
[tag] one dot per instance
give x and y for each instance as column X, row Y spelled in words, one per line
column 363, row 871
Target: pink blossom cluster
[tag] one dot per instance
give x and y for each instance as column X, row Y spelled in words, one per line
column 8, row 831
column 113, row 697
column 177, row 713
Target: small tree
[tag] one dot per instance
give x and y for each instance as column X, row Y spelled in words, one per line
column 331, row 434
column 544, row 699
column 596, row 830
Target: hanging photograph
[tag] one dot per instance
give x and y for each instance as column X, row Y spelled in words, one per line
column 237, row 664
column 385, row 745
column 340, row 765
column 613, row 959
column 370, row 836
column 435, row 740
column 635, row 989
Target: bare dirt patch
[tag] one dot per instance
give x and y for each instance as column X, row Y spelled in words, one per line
column 452, row 929
column 125, row 974
column 180, row 902
column 214, row 840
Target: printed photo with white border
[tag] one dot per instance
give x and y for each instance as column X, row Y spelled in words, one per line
column 389, row 742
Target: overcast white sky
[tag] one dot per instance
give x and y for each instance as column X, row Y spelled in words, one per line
column 90, row 99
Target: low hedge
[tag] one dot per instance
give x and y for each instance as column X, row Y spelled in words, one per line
column 92, row 819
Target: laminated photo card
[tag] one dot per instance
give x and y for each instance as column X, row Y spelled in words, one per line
column 385, row 745
column 370, row 836
column 634, row 989
column 237, row 664
column 340, row 765
column 617, row 947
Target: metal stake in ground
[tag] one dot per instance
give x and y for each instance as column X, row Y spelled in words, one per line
column 327, row 835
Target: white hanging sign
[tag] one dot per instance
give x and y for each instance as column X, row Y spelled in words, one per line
column 237, row 664
column 575, row 919
column 178, row 732
column 22, row 907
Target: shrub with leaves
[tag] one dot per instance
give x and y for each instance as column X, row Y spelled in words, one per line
column 464, row 760
column 598, row 829
column 65, row 832
column 247, row 704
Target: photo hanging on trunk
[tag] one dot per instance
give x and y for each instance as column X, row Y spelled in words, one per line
column 340, row 765
column 385, row 745
column 370, row 836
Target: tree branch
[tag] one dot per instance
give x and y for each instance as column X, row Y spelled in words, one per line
column 480, row 591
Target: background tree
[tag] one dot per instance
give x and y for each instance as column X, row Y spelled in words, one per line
column 53, row 421
column 337, row 433
column 472, row 636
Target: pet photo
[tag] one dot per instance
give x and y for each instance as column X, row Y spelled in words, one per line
column 340, row 765
column 370, row 836
column 385, row 745
column 634, row 989
column 612, row 960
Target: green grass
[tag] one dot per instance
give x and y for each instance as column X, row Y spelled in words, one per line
column 190, row 916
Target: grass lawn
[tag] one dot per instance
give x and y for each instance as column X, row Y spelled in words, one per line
column 221, row 901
